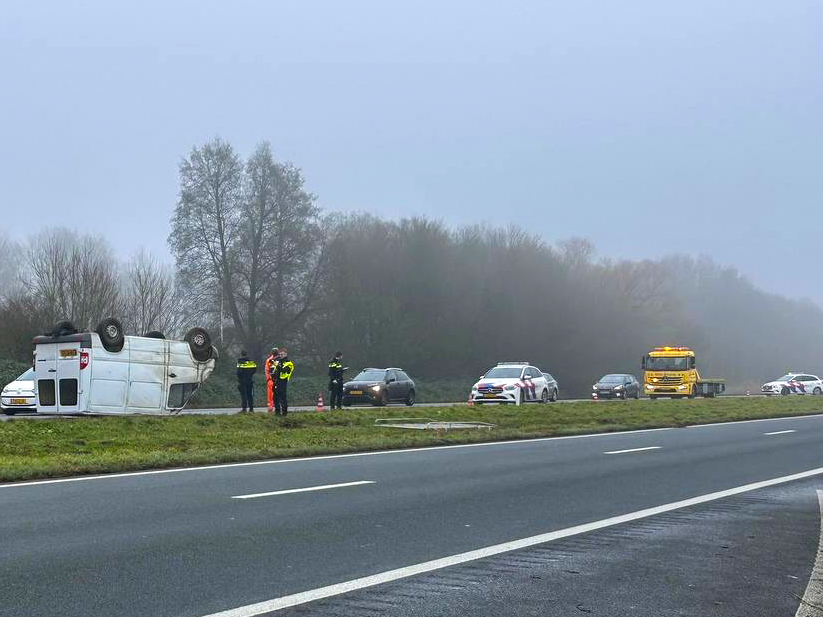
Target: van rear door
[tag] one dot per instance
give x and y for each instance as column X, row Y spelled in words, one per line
column 45, row 373
column 68, row 377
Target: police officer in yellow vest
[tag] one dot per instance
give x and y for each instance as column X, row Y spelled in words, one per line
column 285, row 368
column 246, row 368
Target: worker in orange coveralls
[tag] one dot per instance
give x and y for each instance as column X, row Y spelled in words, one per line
column 270, row 370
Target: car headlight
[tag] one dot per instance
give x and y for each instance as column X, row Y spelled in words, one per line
column 654, row 379
column 594, row 387
column 681, row 387
column 509, row 387
column 649, row 387
column 618, row 387
column 375, row 388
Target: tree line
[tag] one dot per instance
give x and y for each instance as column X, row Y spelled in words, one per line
column 259, row 263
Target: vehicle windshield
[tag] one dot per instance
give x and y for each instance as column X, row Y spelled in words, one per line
column 504, row 372
column 788, row 377
column 370, row 375
column 679, row 363
column 612, row 379
column 27, row 376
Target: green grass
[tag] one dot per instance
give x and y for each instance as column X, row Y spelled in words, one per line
column 42, row 449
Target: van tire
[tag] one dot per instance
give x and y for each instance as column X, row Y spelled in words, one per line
column 154, row 334
column 62, row 328
column 111, row 334
column 200, row 344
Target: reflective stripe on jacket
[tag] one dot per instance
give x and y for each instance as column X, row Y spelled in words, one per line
column 270, row 366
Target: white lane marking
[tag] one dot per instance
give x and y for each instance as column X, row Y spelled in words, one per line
column 281, row 461
column 813, row 597
column 811, row 415
column 381, row 452
column 276, row 604
column 780, row 432
column 633, row 450
column 287, row 491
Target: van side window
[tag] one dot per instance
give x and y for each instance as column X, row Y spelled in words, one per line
column 179, row 393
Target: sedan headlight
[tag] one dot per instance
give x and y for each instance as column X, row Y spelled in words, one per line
column 681, row 387
column 375, row 388
column 509, row 387
column 618, row 387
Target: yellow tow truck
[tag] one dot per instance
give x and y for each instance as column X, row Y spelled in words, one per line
column 672, row 372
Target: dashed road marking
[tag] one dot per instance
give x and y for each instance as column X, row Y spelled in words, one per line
column 308, row 489
column 633, row 450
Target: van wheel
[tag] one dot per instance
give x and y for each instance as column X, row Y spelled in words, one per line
column 544, row 396
column 62, row 328
column 154, row 334
column 410, row 398
column 200, row 344
column 111, row 335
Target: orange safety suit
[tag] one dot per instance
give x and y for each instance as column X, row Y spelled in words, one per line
column 270, row 368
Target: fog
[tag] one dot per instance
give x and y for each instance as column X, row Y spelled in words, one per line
column 600, row 120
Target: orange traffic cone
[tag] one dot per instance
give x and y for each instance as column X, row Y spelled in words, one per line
column 320, row 403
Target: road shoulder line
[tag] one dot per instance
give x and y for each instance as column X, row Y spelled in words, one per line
column 276, row 604
column 811, row 605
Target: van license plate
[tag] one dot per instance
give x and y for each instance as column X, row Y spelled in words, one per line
column 68, row 353
column 355, row 392
column 18, row 401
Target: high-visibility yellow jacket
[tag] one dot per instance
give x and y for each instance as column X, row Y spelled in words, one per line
column 284, row 370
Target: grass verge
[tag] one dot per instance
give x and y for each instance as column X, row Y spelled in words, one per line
column 43, row 449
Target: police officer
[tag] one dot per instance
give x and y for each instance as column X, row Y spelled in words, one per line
column 336, row 381
column 285, row 368
column 246, row 368
column 270, row 369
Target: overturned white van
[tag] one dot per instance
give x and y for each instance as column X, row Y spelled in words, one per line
column 105, row 372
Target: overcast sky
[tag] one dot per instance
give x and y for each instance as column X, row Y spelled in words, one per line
column 597, row 119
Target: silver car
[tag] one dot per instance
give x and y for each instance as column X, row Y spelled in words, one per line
column 19, row 395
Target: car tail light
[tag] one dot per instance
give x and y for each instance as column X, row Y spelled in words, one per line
column 84, row 359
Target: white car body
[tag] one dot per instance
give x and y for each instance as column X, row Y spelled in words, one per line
column 794, row 383
column 75, row 374
column 19, row 395
column 511, row 382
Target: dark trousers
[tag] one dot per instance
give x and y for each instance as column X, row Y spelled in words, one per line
column 336, row 395
column 281, row 399
column 246, row 395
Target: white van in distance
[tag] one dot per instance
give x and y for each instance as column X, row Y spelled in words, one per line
column 105, row 372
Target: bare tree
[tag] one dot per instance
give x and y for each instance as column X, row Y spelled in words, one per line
column 247, row 240
column 11, row 259
column 73, row 276
column 150, row 299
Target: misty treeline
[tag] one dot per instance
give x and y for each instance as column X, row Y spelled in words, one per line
column 258, row 263
column 61, row 274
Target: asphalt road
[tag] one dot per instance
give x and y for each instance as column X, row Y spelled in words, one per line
column 203, row 541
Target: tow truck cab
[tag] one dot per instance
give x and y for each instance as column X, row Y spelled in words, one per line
column 672, row 372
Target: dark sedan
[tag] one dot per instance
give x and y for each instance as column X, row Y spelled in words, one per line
column 616, row 385
column 379, row 386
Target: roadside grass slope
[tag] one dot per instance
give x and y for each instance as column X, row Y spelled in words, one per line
column 88, row 445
